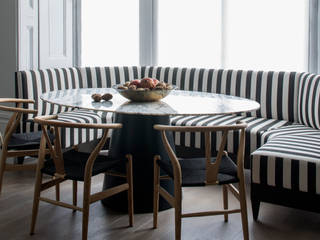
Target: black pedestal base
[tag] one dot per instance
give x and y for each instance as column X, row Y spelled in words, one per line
column 138, row 138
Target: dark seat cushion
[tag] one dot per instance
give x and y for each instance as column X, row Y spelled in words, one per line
column 24, row 141
column 75, row 164
column 194, row 171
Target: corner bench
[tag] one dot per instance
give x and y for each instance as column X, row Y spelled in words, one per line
column 280, row 117
column 286, row 169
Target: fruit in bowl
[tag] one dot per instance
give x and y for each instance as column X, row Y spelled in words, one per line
column 144, row 90
column 145, row 84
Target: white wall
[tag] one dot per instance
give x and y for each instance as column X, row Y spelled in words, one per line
column 8, row 50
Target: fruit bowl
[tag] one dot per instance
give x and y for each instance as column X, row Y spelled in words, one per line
column 143, row 95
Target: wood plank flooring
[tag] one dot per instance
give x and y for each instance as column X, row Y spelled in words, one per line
column 275, row 222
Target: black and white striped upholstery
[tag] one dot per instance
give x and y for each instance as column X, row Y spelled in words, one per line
column 31, row 84
column 309, row 100
column 286, row 169
column 254, row 132
column 72, row 136
column 283, row 134
column 275, row 91
column 290, row 159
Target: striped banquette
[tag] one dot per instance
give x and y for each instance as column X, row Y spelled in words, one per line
column 275, row 91
column 286, row 169
column 282, row 136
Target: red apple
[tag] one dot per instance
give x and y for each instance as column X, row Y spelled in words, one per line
column 147, row 83
column 135, row 82
column 155, row 81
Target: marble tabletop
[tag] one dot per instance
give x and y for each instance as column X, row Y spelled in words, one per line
column 176, row 103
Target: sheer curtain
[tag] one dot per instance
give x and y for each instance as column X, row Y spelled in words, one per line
column 110, row 32
column 266, row 35
column 234, row 34
column 314, row 37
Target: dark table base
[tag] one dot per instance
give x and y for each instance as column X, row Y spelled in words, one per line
column 140, row 139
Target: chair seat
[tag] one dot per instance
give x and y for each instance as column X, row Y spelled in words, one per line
column 194, row 171
column 75, row 164
column 24, row 141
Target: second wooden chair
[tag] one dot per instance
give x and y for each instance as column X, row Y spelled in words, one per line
column 219, row 170
column 17, row 145
column 77, row 166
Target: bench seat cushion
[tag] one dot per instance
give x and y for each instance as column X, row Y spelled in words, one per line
column 71, row 137
column 25, row 141
column 290, row 159
column 256, row 128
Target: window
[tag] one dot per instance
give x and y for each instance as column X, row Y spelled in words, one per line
column 189, row 33
column 266, row 35
column 110, row 32
column 234, row 34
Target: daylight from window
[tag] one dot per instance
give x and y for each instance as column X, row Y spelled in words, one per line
column 234, row 34
column 266, row 35
column 189, row 33
column 110, row 32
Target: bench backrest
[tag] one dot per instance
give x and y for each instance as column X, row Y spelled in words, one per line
column 309, row 100
column 31, row 84
column 277, row 92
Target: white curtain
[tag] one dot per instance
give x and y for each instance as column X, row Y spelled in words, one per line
column 314, row 37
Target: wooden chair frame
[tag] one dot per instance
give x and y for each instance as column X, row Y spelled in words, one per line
column 212, row 170
column 11, row 127
column 57, row 155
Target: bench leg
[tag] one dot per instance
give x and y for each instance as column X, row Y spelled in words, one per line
column 20, row 160
column 255, row 208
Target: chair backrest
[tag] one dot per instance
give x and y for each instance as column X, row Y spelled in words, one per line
column 17, row 113
column 212, row 168
column 54, row 124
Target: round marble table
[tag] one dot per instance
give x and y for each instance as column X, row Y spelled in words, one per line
column 138, row 136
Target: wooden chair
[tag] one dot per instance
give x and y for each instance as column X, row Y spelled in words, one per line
column 17, row 144
column 77, row 166
column 220, row 170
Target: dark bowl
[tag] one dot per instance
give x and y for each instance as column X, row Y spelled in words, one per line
column 144, row 96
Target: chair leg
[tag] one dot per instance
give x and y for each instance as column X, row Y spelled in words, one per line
column 2, row 166
column 130, row 192
column 156, row 186
column 225, row 201
column 75, row 191
column 177, row 215
column 36, row 200
column 85, row 209
column 243, row 205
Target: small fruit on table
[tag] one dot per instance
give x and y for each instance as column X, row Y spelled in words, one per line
column 107, row 96
column 96, row 97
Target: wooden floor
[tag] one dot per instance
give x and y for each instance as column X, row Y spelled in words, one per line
column 59, row 223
